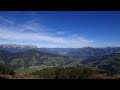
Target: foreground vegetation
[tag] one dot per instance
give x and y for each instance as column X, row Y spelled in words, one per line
column 6, row 69
column 56, row 73
column 70, row 73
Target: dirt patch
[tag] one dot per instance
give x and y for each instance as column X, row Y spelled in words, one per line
column 25, row 76
column 18, row 76
column 103, row 76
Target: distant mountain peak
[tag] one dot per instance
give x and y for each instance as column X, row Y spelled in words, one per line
column 18, row 46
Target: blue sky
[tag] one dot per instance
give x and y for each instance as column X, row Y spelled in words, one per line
column 60, row 28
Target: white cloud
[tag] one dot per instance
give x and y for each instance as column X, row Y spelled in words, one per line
column 60, row 32
column 27, row 36
column 38, row 37
column 15, row 34
column 4, row 21
column 31, row 25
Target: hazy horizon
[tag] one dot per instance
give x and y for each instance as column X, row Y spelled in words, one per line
column 57, row 47
column 60, row 29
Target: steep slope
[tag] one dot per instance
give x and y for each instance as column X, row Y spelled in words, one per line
column 32, row 58
column 110, row 63
column 5, row 57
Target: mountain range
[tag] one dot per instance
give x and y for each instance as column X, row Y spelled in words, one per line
column 16, row 48
column 32, row 57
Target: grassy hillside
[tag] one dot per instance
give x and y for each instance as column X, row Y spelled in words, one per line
column 71, row 73
column 32, row 59
column 110, row 63
column 6, row 69
column 62, row 73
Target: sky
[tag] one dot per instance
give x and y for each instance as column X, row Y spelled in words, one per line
column 66, row 29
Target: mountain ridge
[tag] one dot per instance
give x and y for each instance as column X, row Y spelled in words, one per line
column 16, row 47
column 31, row 57
column 110, row 63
